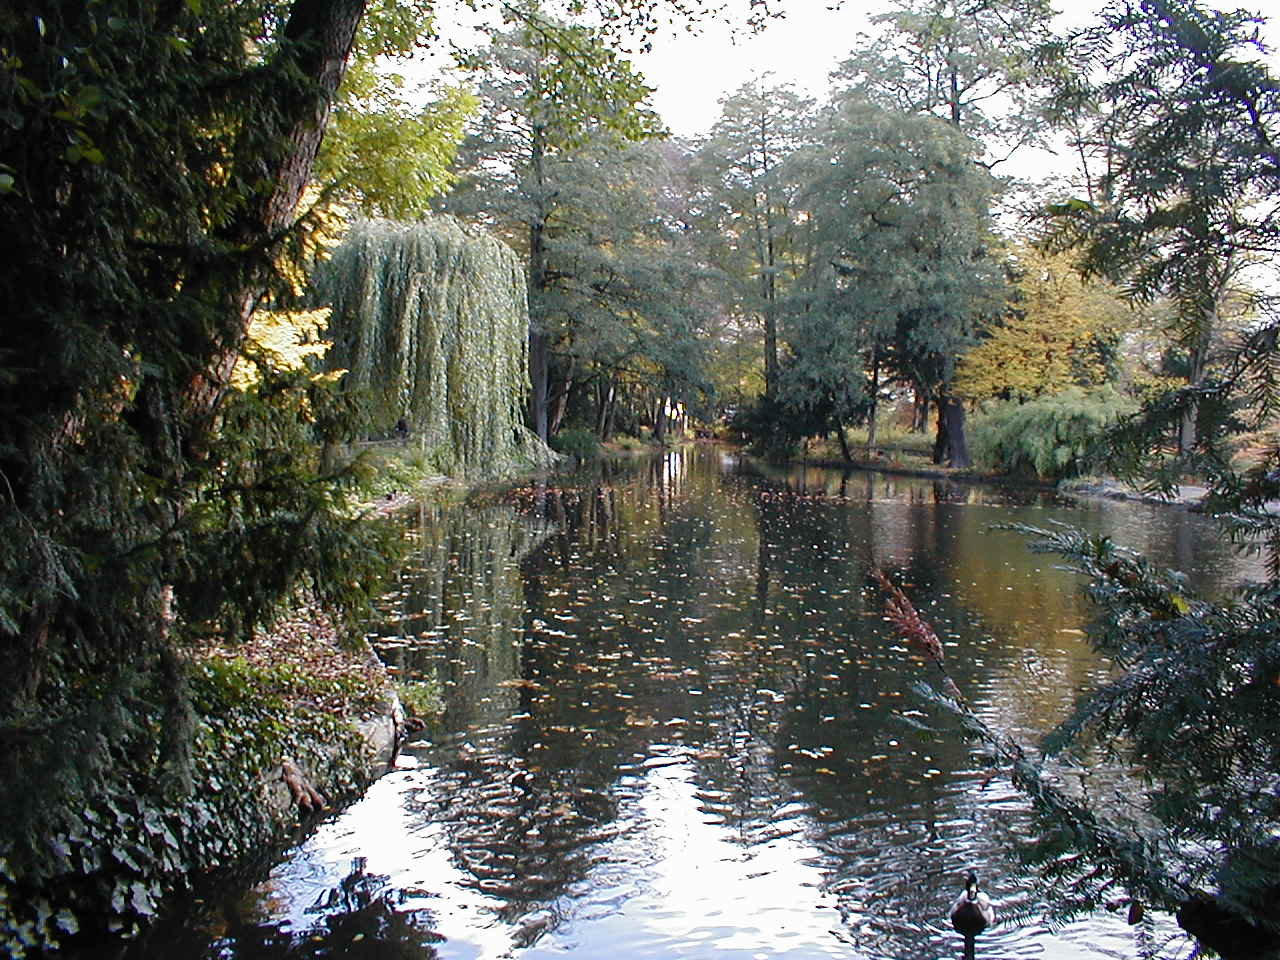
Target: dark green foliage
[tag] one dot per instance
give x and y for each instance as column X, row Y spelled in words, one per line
column 775, row 427
column 144, row 500
column 107, row 864
column 1193, row 709
column 1050, row 438
column 577, row 442
column 1189, row 116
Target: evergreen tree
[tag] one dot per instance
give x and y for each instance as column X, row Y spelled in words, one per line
column 1191, row 708
column 1186, row 206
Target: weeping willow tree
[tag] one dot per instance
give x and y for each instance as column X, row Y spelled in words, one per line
column 430, row 321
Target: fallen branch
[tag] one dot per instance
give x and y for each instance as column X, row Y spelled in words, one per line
column 1135, row 860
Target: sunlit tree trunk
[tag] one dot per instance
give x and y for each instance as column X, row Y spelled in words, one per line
column 318, row 37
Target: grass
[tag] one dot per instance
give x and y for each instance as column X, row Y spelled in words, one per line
column 894, row 448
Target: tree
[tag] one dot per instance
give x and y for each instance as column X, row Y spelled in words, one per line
column 627, row 289
column 152, row 158
column 901, row 277
column 749, row 205
column 1186, row 206
column 539, row 108
column 572, row 176
column 975, row 65
column 1191, row 708
column 1060, row 331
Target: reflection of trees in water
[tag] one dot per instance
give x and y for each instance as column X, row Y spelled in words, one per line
column 724, row 622
column 458, row 613
column 526, row 804
column 523, row 830
column 362, row 918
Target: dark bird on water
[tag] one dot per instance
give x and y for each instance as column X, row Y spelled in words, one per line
column 971, row 914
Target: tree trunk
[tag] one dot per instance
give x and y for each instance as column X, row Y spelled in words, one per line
column 844, row 443
column 604, row 401
column 559, row 402
column 318, row 39
column 539, row 347
column 539, row 338
column 951, row 444
column 1195, row 375
column 941, row 443
column 919, row 410
column 875, row 403
column 611, row 409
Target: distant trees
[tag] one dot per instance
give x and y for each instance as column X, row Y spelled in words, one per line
column 900, row 277
column 1058, row 331
column 556, row 162
column 866, row 225
column 747, row 203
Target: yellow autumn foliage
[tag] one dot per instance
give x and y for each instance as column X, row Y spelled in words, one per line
column 1047, row 341
column 289, row 338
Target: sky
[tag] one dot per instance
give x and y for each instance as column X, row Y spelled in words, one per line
column 692, row 72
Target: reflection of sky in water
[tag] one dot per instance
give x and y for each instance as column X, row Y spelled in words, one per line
column 675, row 722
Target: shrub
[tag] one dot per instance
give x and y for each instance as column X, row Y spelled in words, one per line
column 773, row 428
column 577, row 442
column 1052, row 437
column 629, row 444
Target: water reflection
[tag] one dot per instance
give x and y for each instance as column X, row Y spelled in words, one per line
column 678, row 727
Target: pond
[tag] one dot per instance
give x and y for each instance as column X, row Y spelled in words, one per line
column 675, row 725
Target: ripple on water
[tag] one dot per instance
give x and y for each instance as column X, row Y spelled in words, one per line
column 675, row 729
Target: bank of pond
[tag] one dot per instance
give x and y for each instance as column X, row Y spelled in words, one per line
column 676, row 725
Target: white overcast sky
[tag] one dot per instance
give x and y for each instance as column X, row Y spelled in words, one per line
column 691, row 72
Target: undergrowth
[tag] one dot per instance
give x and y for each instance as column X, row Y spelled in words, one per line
column 142, row 834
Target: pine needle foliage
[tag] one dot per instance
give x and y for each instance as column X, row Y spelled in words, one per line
column 1193, row 708
column 1191, row 711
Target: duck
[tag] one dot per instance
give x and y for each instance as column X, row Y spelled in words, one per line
column 971, row 913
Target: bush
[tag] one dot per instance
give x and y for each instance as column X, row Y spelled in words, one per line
column 577, row 442
column 1051, row 438
column 773, row 428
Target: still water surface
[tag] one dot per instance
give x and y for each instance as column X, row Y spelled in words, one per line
column 674, row 725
